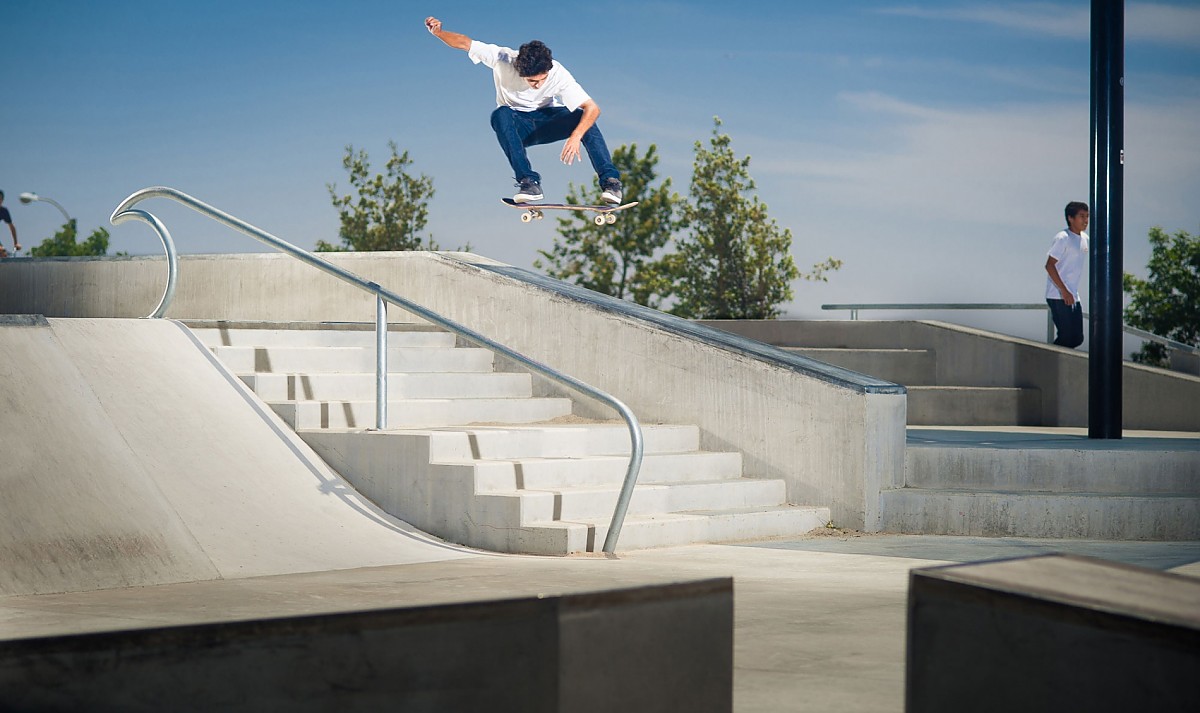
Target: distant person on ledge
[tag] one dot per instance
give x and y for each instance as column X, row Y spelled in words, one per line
column 1065, row 264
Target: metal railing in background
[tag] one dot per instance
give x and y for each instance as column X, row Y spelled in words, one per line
column 854, row 308
column 383, row 296
column 1132, row 331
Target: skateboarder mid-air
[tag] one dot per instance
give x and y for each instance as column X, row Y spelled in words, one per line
column 539, row 102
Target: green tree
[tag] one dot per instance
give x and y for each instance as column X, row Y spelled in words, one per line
column 390, row 209
column 734, row 261
column 1168, row 302
column 618, row 259
column 63, row 243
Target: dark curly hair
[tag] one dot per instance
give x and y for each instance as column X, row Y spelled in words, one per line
column 533, row 58
column 1073, row 208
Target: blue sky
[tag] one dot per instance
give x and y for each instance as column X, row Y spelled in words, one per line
column 931, row 146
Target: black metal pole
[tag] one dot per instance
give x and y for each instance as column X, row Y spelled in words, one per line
column 1107, row 217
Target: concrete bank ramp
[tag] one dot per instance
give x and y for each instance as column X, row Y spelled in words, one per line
column 130, row 457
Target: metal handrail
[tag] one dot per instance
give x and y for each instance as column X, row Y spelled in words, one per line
column 168, row 245
column 1133, row 331
column 383, row 296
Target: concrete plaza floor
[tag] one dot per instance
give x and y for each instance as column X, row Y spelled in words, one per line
column 819, row 621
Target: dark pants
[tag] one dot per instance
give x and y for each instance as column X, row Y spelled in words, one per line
column 516, row 130
column 1068, row 321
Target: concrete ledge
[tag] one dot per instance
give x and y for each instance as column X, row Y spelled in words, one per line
column 1090, row 516
column 1052, row 633
column 664, row 647
column 23, row 320
column 862, row 383
column 1051, row 463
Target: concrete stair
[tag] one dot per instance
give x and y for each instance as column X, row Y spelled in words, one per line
column 973, row 406
column 1026, row 485
column 326, row 378
column 931, row 402
column 911, row 367
column 472, row 456
column 551, row 488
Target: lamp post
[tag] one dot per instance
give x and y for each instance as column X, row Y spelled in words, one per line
column 28, row 198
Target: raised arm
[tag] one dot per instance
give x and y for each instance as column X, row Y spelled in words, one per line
column 453, row 39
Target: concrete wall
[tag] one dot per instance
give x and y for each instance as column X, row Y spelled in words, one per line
column 1152, row 399
column 835, row 437
column 656, row 648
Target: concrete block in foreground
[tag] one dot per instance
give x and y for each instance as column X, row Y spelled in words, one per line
column 1052, row 633
column 655, row 648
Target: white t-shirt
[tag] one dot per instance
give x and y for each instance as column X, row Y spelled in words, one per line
column 559, row 89
column 1070, row 250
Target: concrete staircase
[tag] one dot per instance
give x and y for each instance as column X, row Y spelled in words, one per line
column 932, row 399
column 472, row 456
column 929, row 402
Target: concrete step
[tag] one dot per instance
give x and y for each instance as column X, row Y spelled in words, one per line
column 973, row 406
column 672, row 529
column 557, row 441
column 597, row 503
column 418, row 413
column 356, row 387
column 911, row 367
column 410, row 336
column 553, row 474
column 1061, row 469
column 351, row 360
column 1099, row 516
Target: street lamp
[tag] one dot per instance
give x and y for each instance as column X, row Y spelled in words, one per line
column 28, row 198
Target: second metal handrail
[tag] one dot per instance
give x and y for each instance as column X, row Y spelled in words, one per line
column 124, row 212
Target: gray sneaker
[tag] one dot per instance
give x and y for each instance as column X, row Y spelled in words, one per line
column 612, row 191
column 528, row 190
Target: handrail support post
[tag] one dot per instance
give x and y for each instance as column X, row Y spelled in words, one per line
column 381, row 367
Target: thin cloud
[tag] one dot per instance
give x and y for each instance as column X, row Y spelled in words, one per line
column 880, row 103
column 1145, row 22
column 941, row 162
column 1041, row 18
column 1163, row 23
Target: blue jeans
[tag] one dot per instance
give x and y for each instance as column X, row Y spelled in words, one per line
column 515, row 130
column 1068, row 322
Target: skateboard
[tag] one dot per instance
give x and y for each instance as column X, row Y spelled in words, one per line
column 605, row 214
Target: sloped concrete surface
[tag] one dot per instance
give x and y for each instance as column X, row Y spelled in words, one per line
column 136, row 459
column 80, row 510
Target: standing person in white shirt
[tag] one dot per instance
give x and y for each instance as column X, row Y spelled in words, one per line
column 1065, row 264
column 538, row 102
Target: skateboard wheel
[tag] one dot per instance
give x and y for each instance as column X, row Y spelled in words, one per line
column 539, row 215
column 610, row 218
column 600, row 219
column 526, row 217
